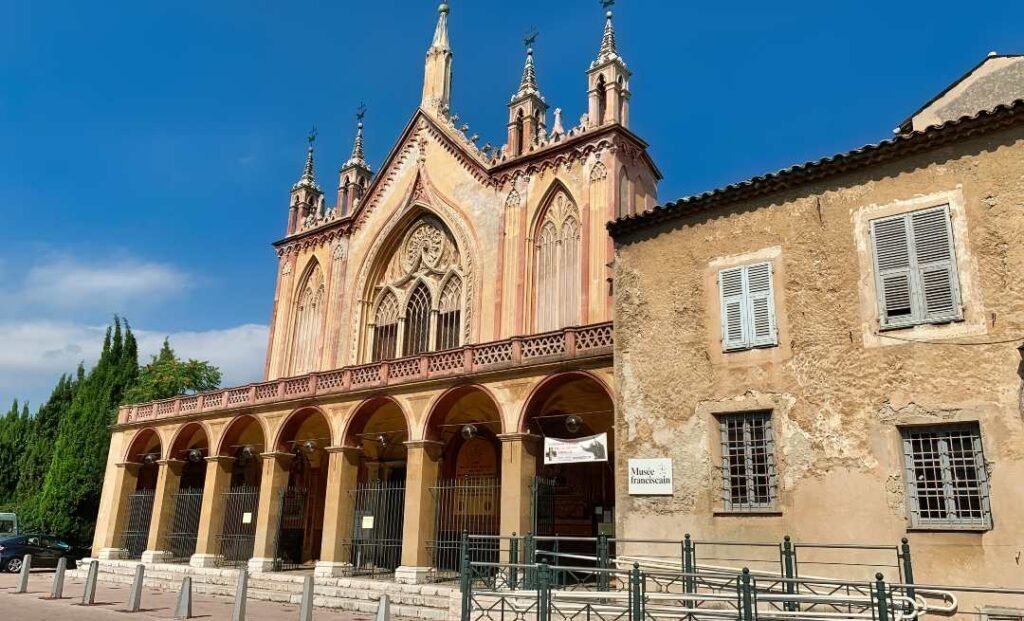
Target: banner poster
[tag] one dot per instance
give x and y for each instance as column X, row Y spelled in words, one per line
column 579, row 450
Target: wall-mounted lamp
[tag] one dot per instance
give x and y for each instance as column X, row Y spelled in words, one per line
column 468, row 432
column 573, row 423
column 194, row 456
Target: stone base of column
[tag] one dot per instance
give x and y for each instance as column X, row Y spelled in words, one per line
column 155, row 556
column 109, row 554
column 203, row 561
column 412, row 575
column 332, row 569
column 261, row 565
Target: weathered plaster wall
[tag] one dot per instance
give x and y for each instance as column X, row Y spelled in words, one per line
column 837, row 391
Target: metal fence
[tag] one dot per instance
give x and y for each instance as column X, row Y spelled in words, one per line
column 375, row 547
column 291, row 528
column 238, row 535
column 471, row 505
column 138, row 516
column 181, row 538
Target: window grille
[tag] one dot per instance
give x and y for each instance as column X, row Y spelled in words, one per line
column 748, row 307
column 915, row 269
column 417, row 321
column 449, row 324
column 385, row 329
column 748, row 462
column 947, row 482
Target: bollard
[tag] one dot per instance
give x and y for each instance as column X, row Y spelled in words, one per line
column 26, row 567
column 908, row 567
column 746, row 596
column 89, row 595
column 383, row 608
column 306, row 608
column 135, row 594
column 688, row 565
column 184, row 608
column 881, row 602
column 240, row 594
column 789, row 571
column 57, row 588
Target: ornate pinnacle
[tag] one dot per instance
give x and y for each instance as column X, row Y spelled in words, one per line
column 358, row 158
column 528, row 85
column 308, row 179
column 608, row 49
column 441, row 31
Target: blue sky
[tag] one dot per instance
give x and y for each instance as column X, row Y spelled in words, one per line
column 147, row 148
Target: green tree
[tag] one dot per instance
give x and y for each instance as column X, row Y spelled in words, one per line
column 13, row 431
column 168, row 376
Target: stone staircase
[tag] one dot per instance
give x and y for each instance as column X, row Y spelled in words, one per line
column 413, row 601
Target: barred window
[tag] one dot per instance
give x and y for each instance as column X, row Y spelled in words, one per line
column 947, row 483
column 748, row 462
column 385, row 329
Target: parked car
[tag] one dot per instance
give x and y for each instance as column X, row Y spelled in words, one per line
column 46, row 551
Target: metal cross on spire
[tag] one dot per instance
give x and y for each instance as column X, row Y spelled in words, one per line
column 311, row 137
column 360, row 111
column 530, row 38
column 607, row 4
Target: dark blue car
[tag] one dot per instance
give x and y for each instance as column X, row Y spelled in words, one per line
column 46, row 551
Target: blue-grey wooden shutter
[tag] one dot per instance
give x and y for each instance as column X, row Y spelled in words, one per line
column 893, row 274
column 732, row 296
column 936, row 267
column 760, row 305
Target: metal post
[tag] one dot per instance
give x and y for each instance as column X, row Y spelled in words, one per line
column 465, row 579
column 26, row 567
column 880, row 598
column 529, row 559
column 746, row 596
column 789, row 571
column 908, row 567
column 602, row 561
column 543, row 592
column 306, row 607
column 135, row 594
column 89, row 595
column 184, row 608
column 383, row 608
column 238, row 614
column 513, row 560
column 57, row 589
column 688, row 581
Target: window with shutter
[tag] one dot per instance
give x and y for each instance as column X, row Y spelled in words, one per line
column 915, row 269
column 748, row 307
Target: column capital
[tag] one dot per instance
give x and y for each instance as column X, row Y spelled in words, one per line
column 277, row 455
column 431, row 447
column 219, row 459
column 526, row 438
column 129, row 464
column 348, row 450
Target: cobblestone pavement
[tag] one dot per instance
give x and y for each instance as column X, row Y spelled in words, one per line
column 111, row 599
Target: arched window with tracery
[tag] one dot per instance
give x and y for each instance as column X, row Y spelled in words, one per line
column 449, row 314
column 417, row 321
column 385, row 328
column 308, row 319
column 557, row 261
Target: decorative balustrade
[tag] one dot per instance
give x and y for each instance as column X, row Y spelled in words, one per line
column 570, row 343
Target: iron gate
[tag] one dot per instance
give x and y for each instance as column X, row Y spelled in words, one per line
column 181, row 540
column 378, row 518
column 239, row 532
column 543, row 507
column 139, row 514
column 471, row 505
column 291, row 528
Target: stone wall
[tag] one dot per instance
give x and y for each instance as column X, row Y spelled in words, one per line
column 837, row 388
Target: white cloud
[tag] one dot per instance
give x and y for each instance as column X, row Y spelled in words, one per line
column 67, row 283
column 33, row 354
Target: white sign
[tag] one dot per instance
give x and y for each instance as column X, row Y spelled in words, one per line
column 367, row 522
column 590, row 448
column 650, row 477
column 247, row 518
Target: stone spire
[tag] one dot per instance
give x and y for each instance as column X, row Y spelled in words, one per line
column 437, row 71
column 608, row 51
column 528, row 85
column 308, row 180
column 355, row 174
column 357, row 158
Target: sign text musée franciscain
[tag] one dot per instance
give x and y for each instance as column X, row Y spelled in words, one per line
column 578, row 450
column 650, row 477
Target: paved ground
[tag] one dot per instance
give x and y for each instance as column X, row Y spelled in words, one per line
column 111, row 603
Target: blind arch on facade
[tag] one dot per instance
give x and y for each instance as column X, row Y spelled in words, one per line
column 449, row 314
column 417, row 321
column 557, row 265
column 308, row 319
column 385, row 328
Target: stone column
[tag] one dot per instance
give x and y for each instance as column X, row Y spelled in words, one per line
column 167, row 481
column 421, row 474
column 273, row 481
column 518, row 468
column 342, row 474
column 211, row 515
column 127, row 479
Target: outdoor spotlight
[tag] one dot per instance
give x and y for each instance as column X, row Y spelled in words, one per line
column 245, row 454
column 195, row 456
column 572, row 423
column 468, row 432
column 149, row 459
column 309, row 445
column 381, row 439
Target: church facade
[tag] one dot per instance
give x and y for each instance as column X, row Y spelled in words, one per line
column 430, row 328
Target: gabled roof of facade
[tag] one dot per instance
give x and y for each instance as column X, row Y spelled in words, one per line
column 901, row 145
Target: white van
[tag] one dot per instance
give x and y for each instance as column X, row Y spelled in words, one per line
column 8, row 524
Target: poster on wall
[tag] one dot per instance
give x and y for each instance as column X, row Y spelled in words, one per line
column 579, row 450
column 650, row 477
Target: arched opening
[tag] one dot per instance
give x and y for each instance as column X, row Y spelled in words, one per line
column 377, row 431
column 385, row 328
column 304, row 435
column 309, row 311
column 417, row 321
column 574, row 489
column 625, row 194
column 466, row 422
column 141, row 462
column 602, row 100
column 557, row 263
column 520, row 142
column 244, row 442
column 188, row 454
